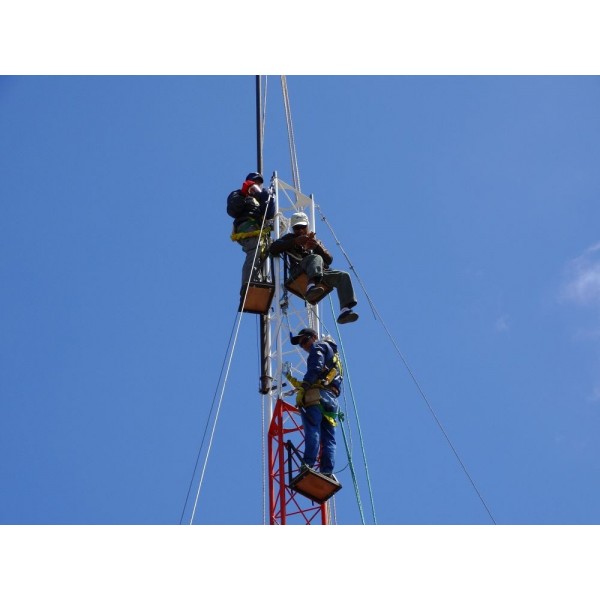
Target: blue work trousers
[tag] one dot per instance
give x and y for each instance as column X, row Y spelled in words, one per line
column 320, row 433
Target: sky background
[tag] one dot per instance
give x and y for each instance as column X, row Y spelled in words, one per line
column 469, row 207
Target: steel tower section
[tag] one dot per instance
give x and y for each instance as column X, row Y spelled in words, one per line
column 285, row 434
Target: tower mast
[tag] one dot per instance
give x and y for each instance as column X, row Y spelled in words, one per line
column 265, row 330
column 289, row 502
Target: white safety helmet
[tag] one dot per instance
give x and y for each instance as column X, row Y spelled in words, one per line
column 298, row 218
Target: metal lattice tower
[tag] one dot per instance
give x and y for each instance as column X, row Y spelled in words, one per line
column 288, row 315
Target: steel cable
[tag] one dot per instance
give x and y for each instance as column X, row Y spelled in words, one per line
column 412, row 375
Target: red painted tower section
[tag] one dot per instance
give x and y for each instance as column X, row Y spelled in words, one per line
column 287, row 507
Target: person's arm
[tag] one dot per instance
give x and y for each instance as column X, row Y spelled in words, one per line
column 265, row 200
column 322, row 252
column 315, row 364
column 283, row 244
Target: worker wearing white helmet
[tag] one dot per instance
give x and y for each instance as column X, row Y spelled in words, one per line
column 307, row 254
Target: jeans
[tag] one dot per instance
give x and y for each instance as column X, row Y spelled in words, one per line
column 320, row 433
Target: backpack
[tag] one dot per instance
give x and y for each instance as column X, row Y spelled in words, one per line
column 236, row 203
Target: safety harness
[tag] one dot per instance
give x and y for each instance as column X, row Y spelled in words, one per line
column 263, row 242
column 305, row 396
column 242, row 235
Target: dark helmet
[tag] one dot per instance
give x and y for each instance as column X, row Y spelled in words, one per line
column 306, row 332
column 255, row 177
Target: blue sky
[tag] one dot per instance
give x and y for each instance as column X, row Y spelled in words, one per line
column 468, row 207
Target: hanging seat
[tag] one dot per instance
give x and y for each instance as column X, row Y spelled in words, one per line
column 315, row 486
column 258, row 298
column 297, row 286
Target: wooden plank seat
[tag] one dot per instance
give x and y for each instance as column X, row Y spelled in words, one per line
column 258, row 298
column 297, row 286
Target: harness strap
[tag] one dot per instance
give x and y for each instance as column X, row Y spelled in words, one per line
column 330, row 416
column 242, row 235
column 298, row 384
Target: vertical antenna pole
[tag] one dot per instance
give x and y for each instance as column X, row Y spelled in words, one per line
column 265, row 328
column 259, row 159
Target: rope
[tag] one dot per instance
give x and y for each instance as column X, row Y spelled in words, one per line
column 348, row 448
column 262, row 445
column 237, row 329
column 290, row 128
column 331, row 509
column 263, row 458
column 360, row 436
column 263, row 120
column 412, row 375
column 262, row 240
column 206, row 427
column 353, row 473
column 239, row 320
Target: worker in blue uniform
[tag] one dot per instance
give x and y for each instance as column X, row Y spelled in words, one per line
column 317, row 399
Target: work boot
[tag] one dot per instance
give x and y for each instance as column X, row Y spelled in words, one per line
column 347, row 316
column 313, row 292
